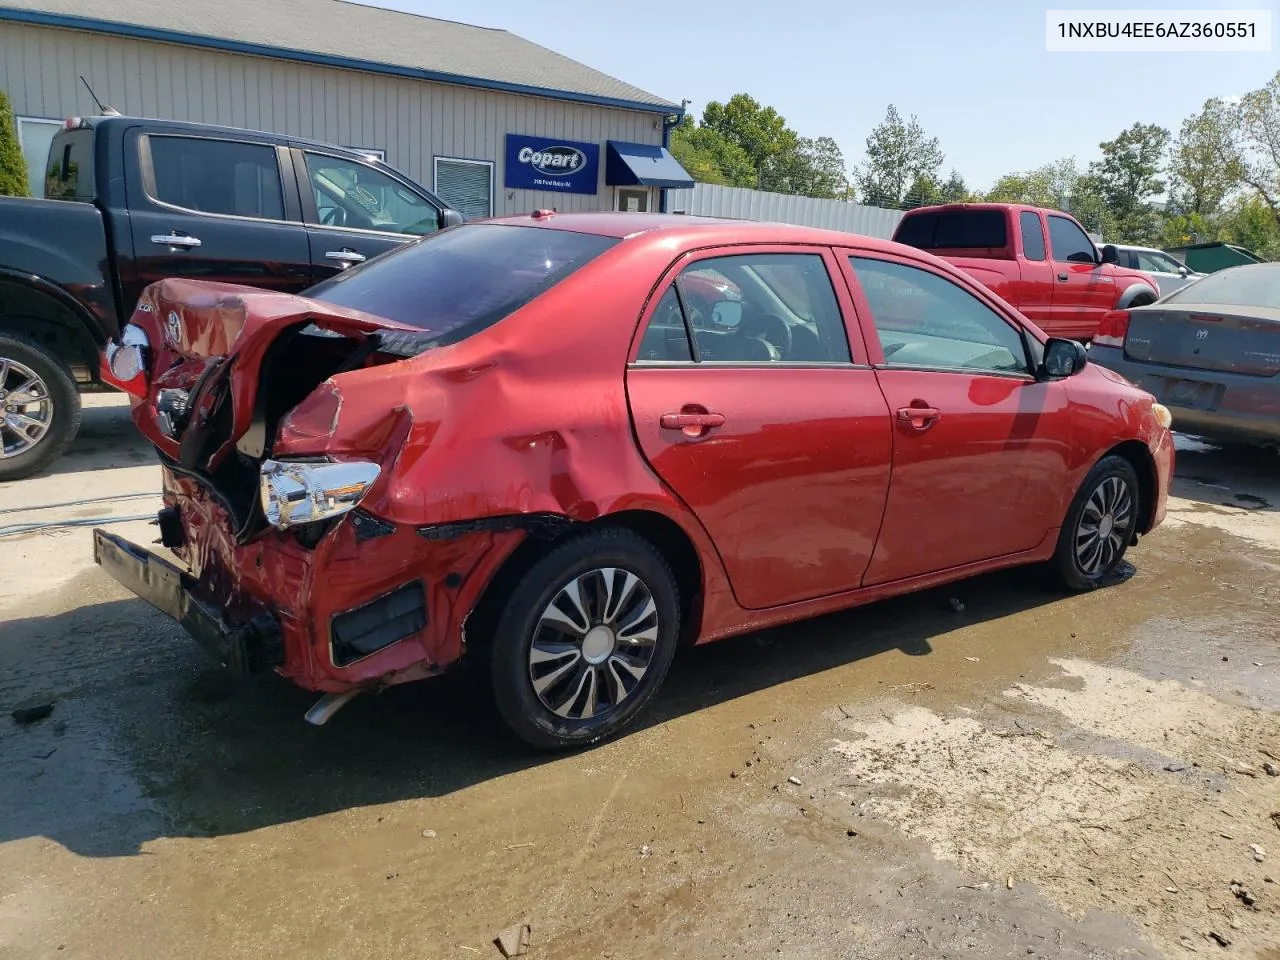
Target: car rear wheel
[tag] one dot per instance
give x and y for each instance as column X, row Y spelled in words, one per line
column 585, row 640
column 39, row 408
column 1099, row 526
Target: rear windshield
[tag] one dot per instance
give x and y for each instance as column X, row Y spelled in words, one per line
column 958, row 230
column 1252, row 286
column 461, row 280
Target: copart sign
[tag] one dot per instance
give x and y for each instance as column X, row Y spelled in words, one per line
column 539, row 163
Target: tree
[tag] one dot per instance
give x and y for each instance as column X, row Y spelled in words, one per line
column 1053, row 186
column 898, row 154
column 954, row 190
column 815, row 168
column 710, row 158
column 760, row 132
column 923, row 191
column 1259, row 116
column 1128, row 179
column 13, row 165
column 1250, row 222
column 1205, row 161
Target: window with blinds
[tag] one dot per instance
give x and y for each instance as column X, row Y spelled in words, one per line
column 466, row 185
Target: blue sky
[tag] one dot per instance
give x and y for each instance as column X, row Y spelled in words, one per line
column 976, row 74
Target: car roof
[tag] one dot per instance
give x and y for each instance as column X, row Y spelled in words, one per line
column 207, row 128
column 683, row 227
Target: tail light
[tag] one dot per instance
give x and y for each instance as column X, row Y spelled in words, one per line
column 295, row 492
column 1113, row 329
column 125, row 363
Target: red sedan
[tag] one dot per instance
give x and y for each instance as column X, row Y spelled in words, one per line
column 559, row 446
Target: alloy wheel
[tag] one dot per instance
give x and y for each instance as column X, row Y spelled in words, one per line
column 1104, row 525
column 26, row 409
column 593, row 644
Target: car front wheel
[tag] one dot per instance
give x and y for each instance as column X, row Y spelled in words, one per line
column 1099, row 526
column 585, row 640
column 39, row 408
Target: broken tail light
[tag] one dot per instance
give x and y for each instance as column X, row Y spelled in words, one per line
column 125, row 363
column 297, row 492
column 1112, row 330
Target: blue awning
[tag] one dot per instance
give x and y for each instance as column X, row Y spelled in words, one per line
column 643, row 165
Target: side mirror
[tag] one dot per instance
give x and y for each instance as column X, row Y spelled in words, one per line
column 1184, row 272
column 451, row 218
column 726, row 313
column 1110, row 254
column 1062, row 359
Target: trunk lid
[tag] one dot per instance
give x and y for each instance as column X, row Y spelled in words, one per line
column 1221, row 338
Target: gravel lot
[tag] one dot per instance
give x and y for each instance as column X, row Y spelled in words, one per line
column 988, row 770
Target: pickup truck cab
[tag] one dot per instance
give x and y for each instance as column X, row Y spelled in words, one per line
column 131, row 201
column 1040, row 261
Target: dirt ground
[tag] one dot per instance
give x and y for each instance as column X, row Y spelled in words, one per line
column 984, row 771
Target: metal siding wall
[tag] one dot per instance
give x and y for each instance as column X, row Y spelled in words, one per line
column 413, row 121
column 739, row 203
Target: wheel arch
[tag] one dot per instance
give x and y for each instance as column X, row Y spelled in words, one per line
column 1137, row 295
column 1144, row 464
column 50, row 319
column 663, row 533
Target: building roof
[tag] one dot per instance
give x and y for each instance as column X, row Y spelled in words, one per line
column 352, row 35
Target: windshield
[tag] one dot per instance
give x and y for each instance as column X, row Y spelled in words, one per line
column 1249, row 286
column 464, row 279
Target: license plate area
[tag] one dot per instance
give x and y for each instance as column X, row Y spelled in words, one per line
column 1192, row 394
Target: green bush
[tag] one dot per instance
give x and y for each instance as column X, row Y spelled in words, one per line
column 13, row 165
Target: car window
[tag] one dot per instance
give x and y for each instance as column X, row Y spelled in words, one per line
column 1069, row 242
column 1156, row 262
column 356, row 196
column 1254, row 285
column 217, row 176
column 751, row 308
column 457, row 282
column 953, row 230
column 924, row 320
column 665, row 338
column 1032, row 235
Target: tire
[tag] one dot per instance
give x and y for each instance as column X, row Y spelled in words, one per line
column 569, row 666
column 57, row 406
column 1099, row 508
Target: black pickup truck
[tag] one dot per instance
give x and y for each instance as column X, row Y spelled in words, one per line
column 131, row 201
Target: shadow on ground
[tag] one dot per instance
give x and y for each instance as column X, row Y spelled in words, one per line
column 1238, row 476
column 147, row 741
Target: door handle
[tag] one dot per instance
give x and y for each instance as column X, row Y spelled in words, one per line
column 346, row 256
column 692, row 424
column 1063, row 277
column 175, row 240
column 920, row 418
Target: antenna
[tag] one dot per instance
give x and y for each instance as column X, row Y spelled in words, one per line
column 106, row 111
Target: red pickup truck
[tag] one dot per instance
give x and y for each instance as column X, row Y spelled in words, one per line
column 1040, row 261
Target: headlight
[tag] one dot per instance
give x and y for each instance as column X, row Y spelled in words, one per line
column 1162, row 415
column 128, row 358
column 294, row 493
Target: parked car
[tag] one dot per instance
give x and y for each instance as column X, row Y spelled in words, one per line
column 559, row 465
column 1168, row 272
column 153, row 199
column 1209, row 351
column 1041, row 261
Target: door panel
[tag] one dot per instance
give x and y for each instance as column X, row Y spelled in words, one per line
column 1035, row 291
column 213, row 209
column 1082, row 290
column 747, row 402
column 791, row 487
column 980, row 449
column 354, row 212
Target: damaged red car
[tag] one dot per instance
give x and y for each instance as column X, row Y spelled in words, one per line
column 557, row 447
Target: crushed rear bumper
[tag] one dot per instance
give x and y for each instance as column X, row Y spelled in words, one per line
column 242, row 648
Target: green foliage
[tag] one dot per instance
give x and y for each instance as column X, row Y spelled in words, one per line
column 1128, row 178
column 742, row 143
column 954, row 190
column 1205, row 162
column 13, row 165
column 1250, row 222
column 899, row 154
column 1259, row 133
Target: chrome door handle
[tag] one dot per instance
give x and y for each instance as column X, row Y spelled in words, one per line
column 346, row 257
column 1063, row 277
column 175, row 240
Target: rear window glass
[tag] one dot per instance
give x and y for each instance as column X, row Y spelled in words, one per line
column 461, row 280
column 69, row 172
column 1253, row 286
column 966, row 229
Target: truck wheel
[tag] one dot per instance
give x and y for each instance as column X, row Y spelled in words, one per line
column 39, row 407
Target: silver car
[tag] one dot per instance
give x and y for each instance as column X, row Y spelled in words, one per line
column 1210, row 352
column 1168, row 272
